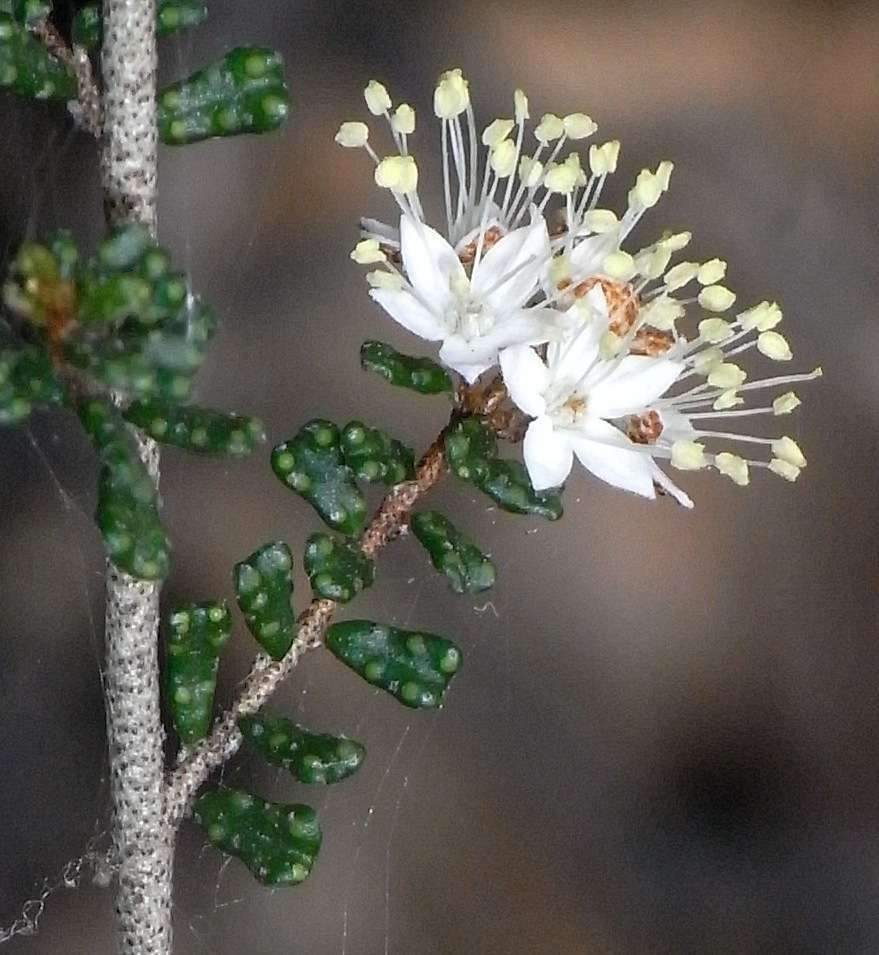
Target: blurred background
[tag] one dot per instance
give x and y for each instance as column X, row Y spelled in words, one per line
column 665, row 738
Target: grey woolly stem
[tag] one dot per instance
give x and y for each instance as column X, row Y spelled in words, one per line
column 143, row 840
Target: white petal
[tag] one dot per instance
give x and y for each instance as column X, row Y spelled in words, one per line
column 526, row 378
column 516, row 262
column 430, row 263
column 666, row 483
column 675, row 426
column 633, row 385
column 547, row 454
column 609, row 455
column 520, row 328
column 468, row 372
column 404, row 308
column 573, row 355
column 587, row 257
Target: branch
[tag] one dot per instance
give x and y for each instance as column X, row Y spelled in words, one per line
column 87, row 109
column 389, row 521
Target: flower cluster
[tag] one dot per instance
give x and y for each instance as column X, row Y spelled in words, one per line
column 530, row 275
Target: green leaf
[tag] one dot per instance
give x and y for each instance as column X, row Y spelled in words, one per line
column 264, row 585
column 417, row 374
column 337, row 568
column 470, row 448
column 244, row 92
column 196, row 633
column 27, row 380
column 28, row 69
column 196, row 429
column 278, row 842
column 508, row 484
column 309, row 757
column 30, row 12
column 471, row 453
column 467, row 568
column 313, row 465
column 414, row 667
column 127, row 512
column 171, row 17
column 374, row 456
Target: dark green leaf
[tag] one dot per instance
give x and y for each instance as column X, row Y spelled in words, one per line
column 417, row 374
column 196, row 429
column 470, row 448
column 28, row 69
column 313, row 465
column 415, row 667
column 468, row 569
column 30, row 12
column 337, row 568
column 242, row 93
column 309, row 757
column 278, row 842
column 264, row 585
column 27, row 380
column 196, row 633
column 471, row 451
column 508, row 484
column 87, row 29
column 127, row 513
column 374, row 456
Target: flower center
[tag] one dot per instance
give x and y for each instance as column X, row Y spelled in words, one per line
column 469, row 317
column 645, row 428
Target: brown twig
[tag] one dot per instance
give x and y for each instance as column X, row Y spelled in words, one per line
column 88, row 105
column 389, row 521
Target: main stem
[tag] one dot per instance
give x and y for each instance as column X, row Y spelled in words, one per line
column 144, row 842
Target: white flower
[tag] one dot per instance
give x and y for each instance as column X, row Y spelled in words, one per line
column 620, row 409
column 475, row 315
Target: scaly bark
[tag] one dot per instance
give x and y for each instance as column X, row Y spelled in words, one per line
column 144, row 843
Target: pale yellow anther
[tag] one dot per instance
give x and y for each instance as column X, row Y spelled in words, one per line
column 716, row 298
column 682, row 274
column 579, row 126
column 619, row 265
column 647, row 189
column 503, row 158
column 368, row 252
column 353, row 135
column 729, row 399
column 706, row 361
column 403, row 119
column 678, row 241
column 520, row 102
column 601, row 221
column 788, row 450
column 377, row 99
column 763, row 317
column 452, row 95
column 663, row 173
column 397, row 173
column 733, row 467
column 663, row 312
column 774, row 346
column 496, row 132
column 712, row 272
column 530, row 172
column 785, row 469
column 786, row 403
column 688, row 456
column 549, row 128
column 385, row 280
column 561, row 178
column 726, row 375
column 609, row 345
column 573, row 162
column 652, row 262
column 715, row 330
column 603, row 159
